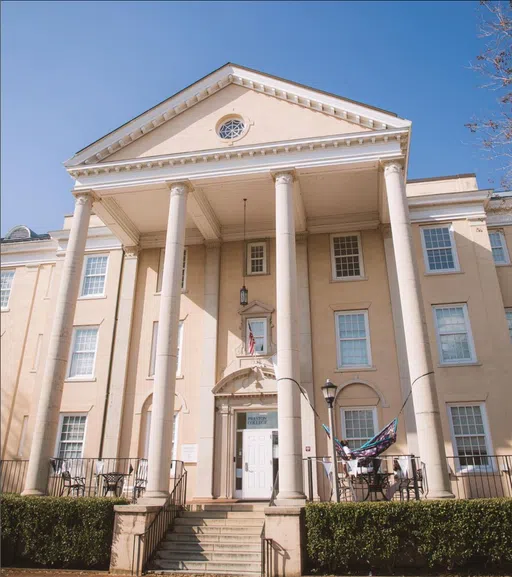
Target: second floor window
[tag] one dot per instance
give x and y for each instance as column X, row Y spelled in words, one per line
column 256, row 337
column 256, row 258
column 83, row 352
column 347, row 256
column 161, row 271
column 499, row 247
column 154, row 341
column 353, row 334
column 5, row 286
column 95, row 274
column 439, row 249
column 454, row 338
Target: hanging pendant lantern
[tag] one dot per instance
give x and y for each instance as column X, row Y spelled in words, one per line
column 244, row 293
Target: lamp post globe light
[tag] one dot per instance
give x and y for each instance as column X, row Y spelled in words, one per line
column 244, row 296
column 329, row 392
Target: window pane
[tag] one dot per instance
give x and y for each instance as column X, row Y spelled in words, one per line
column 353, row 339
column 72, row 437
column 354, row 353
column 498, row 247
column 451, row 320
column 84, row 352
column 346, row 256
column 438, row 245
column 352, row 326
column 453, row 334
column 94, row 277
column 5, row 287
column 469, row 432
column 359, row 426
column 257, row 258
column 455, row 347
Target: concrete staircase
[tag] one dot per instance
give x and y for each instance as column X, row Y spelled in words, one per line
column 214, row 540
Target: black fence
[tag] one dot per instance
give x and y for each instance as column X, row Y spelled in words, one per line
column 389, row 477
column 126, row 477
column 475, row 477
column 12, row 476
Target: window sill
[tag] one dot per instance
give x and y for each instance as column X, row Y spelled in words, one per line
column 503, row 264
column 5, row 310
column 349, row 279
column 468, row 364
column 80, row 380
column 442, row 272
column 183, row 292
column 258, row 274
column 267, row 356
column 91, row 297
column 178, row 377
column 354, row 369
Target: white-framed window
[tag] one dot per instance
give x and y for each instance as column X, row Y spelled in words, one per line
column 256, row 258
column 161, row 270
column 470, row 435
column 353, row 339
column 508, row 316
column 256, row 336
column 154, row 341
column 83, row 352
column 95, row 274
column 7, row 277
column 71, row 437
column 347, row 256
column 439, row 248
column 174, row 446
column 454, row 338
column 499, row 247
column 359, row 424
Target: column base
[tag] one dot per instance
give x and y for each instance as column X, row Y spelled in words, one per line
column 33, row 493
column 440, row 495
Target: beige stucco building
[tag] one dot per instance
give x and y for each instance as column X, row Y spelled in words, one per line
column 123, row 334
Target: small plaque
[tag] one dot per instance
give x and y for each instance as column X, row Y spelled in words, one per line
column 189, row 453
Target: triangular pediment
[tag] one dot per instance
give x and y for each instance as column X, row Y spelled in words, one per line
column 273, row 109
column 256, row 308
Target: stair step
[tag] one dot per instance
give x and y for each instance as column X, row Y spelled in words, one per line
column 227, row 556
column 218, row 529
column 233, row 522
column 229, row 507
column 206, row 566
column 215, row 514
column 211, row 538
column 235, row 546
column 171, row 572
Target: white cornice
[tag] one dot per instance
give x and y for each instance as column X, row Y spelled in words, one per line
column 98, row 238
column 230, row 74
column 303, row 153
column 28, row 253
column 449, row 206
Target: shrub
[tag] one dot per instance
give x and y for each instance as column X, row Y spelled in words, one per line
column 57, row 531
column 439, row 535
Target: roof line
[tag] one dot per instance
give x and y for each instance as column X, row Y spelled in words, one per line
column 449, row 177
column 243, row 68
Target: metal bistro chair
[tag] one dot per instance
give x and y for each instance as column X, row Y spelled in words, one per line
column 72, row 484
column 141, row 479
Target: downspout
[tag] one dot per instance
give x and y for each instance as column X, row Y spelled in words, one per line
column 110, row 363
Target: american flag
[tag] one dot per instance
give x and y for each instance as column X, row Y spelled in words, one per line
column 252, row 342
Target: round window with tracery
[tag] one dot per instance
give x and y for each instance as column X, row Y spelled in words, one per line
column 232, row 128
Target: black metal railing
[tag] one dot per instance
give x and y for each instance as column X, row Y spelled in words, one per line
column 12, row 476
column 388, row 477
column 267, row 555
column 90, row 477
column 475, row 477
column 145, row 544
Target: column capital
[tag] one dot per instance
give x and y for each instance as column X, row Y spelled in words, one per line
column 284, row 176
column 85, row 196
column 391, row 166
column 179, row 188
column 131, row 251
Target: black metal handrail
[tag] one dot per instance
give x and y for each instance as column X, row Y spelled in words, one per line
column 12, row 475
column 481, row 476
column 145, row 544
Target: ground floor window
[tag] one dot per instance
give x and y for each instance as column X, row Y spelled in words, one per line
column 470, row 436
column 359, row 425
column 70, row 442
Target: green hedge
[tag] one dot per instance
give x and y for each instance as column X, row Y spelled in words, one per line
column 57, row 531
column 438, row 535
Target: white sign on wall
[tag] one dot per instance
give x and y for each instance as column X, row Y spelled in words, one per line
column 189, row 453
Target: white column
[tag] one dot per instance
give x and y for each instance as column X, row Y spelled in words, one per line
column 160, row 441
column 47, row 419
column 424, row 393
column 121, row 345
column 288, row 355
column 306, row 359
column 208, row 371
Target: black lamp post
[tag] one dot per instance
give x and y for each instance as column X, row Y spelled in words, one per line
column 329, row 392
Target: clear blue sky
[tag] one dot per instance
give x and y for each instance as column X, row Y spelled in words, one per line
column 73, row 71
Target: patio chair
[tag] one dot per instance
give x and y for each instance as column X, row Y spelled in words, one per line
column 141, row 479
column 72, row 484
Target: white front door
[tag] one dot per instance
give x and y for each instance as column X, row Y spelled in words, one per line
column 257, row 464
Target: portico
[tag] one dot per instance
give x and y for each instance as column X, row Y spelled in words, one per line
column 158, row 189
